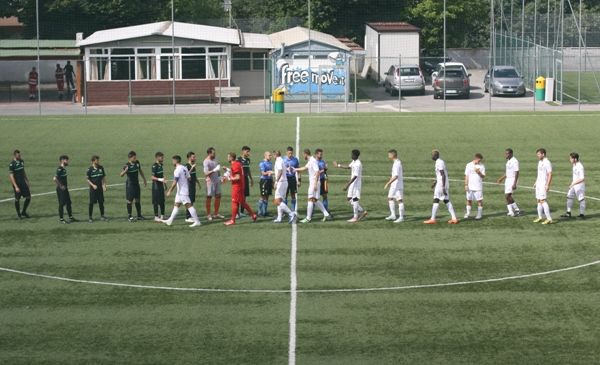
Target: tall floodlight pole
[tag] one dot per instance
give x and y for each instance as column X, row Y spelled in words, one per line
column 309, row 61
column 37, row 26
column 535, row 47
column 173, row 68
column 490, row 85
column 523, row 36
column 579, row 73
column 444, row 85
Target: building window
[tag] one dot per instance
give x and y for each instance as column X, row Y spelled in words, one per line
column 168, row 68
column 122, row 68
column 193, row 67
column 249, row 61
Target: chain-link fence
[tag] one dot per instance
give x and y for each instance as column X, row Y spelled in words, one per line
column 367, row 58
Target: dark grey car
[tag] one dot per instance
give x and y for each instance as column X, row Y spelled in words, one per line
column 505, row 80
column 454, row 81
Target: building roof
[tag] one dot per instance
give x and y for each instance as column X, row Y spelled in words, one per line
column 166, row 29
column 393, row 27
column 351, row 44
column 256, row 41
column 27, row 48
column 298, row 35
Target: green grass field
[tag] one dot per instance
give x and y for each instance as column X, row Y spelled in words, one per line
column 589, row 88
column 552, row 319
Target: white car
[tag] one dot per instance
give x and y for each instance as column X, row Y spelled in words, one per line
column 449, row 65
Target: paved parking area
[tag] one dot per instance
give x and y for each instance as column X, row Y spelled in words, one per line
column 382, row 102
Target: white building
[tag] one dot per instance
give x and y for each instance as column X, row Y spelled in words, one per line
column 389, row 43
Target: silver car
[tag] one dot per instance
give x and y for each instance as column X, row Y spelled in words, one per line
column 504, row 80
column 407, row 77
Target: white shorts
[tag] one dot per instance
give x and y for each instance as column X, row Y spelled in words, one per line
column 353, row 193
column 314, row 193
column 540, row 192
column 475, row 195
column 280, row 189
column 182, row 199
column 578, row 191
column 508, row 186
column 397, row 194
column 213, row 188
column 438, row 193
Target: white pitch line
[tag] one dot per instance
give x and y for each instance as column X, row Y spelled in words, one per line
column 54, row 192
column 294, row 274
column 306, row 291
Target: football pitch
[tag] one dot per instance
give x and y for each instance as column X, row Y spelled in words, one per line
column 497, row 291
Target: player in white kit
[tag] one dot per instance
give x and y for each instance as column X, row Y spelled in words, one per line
column 281, row 186
column 354, row 186
column 511, row 179
column 314, row 187
column 542, row 186
column 396, row 188
column 441, row 190
column 577, row 187
column 474, row 175
column 181, row 180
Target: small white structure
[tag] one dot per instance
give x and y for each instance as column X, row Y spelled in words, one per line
column 386, row 43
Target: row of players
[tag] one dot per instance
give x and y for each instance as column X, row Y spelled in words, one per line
column 284, row 177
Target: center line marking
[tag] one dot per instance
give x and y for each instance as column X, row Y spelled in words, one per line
column 293, row 274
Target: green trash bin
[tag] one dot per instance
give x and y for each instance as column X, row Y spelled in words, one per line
column 278, row 100
column 540, row 88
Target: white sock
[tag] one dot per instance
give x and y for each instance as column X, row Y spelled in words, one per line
column 451, row 210
column 468, row 210
column 309, row 210
column 434, row 210
column 284, row 208
column 540, row 210
column 569, row 204
column 355, row 209
column 392, row 206
column 510, row 209
column 479, row 212
column 194, row 214
column 515, row 206
column 582, row 207
column 321, row 207
column 279, row 212
column 547, row 210
column 401, row 210
column 173, row 215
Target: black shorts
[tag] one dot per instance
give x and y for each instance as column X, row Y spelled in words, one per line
column 192, row 191
column 266, row 187
column 64, row 198
column 24, row 191
column 132, row 191
column 324, row 187
column 247, row 187
column 292, row 184
column 158, row 193
column 96, row 196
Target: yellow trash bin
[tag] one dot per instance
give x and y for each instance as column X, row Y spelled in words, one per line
column 540, row 88
column 278, row 100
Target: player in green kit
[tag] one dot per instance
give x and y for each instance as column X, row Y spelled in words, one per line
column 133, row 170
column 96, row 179
column 62, row 190
column 193, row 183
column 158, row 187
column 20, row 184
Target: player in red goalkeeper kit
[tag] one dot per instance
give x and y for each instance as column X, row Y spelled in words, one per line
column 236, row 176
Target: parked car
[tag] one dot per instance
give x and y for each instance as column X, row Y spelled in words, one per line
column 429, row 64
column 440, row 66
column 454, row 81
column 504, row 80
column 405, row 77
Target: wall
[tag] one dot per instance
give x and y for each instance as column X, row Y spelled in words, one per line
column 251, row 83
column 17, row 71
column 117, row 92
column 395, row 44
